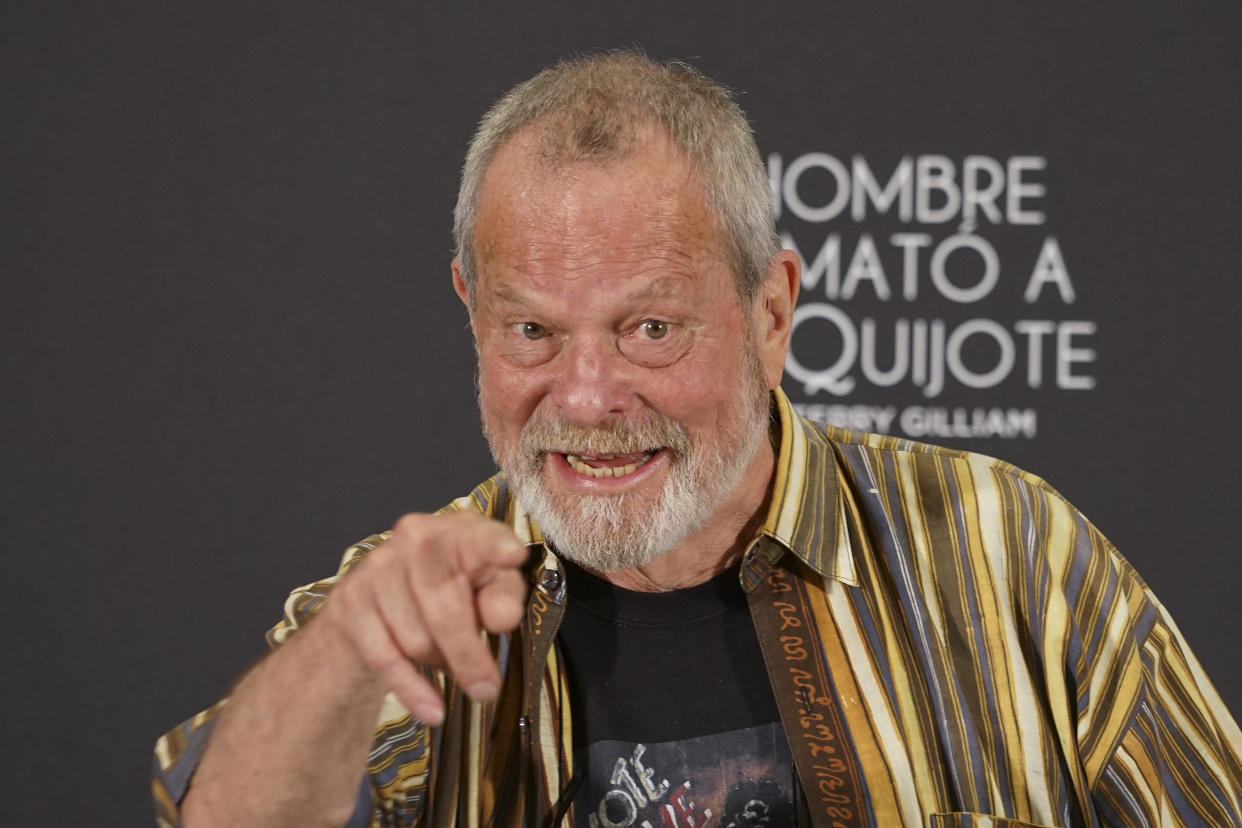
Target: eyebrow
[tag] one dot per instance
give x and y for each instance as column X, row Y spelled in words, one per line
column 508, row 295
column 663, row 286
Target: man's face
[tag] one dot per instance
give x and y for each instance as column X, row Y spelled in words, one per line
column 620, row 384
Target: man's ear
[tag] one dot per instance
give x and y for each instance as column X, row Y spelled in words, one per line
column 774, row 307
column 462, row 290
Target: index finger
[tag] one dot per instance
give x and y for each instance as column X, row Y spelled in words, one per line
column 459, row 557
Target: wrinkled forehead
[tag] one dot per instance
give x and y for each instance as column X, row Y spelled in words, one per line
column 648, row 195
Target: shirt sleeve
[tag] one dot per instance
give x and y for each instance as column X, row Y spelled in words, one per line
column 1156, row 742
column 177, row 754
column 1176, row 759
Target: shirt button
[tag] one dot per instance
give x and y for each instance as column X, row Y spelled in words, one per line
column 550, row 580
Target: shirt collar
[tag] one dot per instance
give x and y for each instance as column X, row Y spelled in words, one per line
column 811, row 511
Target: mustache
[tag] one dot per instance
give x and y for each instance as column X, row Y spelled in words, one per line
column 547, row 434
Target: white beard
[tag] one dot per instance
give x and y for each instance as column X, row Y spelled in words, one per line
column 609, row 532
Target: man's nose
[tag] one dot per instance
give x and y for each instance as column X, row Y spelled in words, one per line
column 593, row 381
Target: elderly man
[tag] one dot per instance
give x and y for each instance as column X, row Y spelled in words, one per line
column 678, row 603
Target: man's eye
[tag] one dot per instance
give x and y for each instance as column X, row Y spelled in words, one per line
column 654, row 329
column 655, row 343
column 532, row 330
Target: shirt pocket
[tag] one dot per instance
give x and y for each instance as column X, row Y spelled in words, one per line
column 963, row 819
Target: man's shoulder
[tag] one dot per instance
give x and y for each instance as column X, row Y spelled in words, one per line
column 862, row 453
column 491, row 498
column 924, row 501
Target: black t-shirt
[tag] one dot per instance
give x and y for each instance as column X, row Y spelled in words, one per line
column 675, row 723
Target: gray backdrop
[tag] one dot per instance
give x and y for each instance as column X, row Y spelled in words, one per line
column 231, row 347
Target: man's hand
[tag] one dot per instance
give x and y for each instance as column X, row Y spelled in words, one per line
column 293, row 740
column 424, row 597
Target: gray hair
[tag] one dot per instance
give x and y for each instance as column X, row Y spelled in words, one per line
column 591, row 108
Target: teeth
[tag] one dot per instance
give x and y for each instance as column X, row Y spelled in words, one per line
column 575, row 463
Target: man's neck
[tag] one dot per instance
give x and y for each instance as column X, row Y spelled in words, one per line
column 715, row 546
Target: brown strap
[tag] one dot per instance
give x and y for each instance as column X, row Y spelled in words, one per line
column 822, row 751
column 446, row 782
column 544, row 615
column 514, row 772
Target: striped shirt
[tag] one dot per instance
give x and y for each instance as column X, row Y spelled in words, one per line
column 950, row 643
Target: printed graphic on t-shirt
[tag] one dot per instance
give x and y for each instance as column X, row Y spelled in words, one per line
column 739, row 779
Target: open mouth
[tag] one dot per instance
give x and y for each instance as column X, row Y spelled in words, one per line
column 608, row 465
